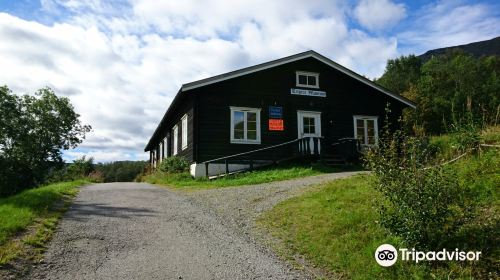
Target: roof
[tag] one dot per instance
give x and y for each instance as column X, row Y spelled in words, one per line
column 271, row 64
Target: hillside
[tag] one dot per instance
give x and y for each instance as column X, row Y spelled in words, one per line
column 477, row 49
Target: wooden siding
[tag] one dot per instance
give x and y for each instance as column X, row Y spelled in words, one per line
column 345, row 97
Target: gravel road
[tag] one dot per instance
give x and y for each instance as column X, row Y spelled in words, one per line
column 140, row 231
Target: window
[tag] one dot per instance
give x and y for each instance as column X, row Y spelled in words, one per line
column 307, row 79
column 184, row 129
column 309, row 125
column 165, row 147
column 366, row 130
column 245, row 125
column 176, row 138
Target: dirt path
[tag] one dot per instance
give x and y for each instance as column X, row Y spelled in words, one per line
column 140, row 231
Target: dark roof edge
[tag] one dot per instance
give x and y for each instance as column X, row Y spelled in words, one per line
column 163, row 119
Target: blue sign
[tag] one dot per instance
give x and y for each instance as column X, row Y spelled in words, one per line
column 275, row 112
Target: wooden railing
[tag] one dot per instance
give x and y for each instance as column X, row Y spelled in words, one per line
column 300, row 147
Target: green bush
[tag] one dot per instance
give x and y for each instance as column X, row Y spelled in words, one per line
column 422, row 203
column 174, row 165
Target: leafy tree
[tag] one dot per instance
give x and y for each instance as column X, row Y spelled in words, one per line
column 447, row 89
column 34, row 129
column 401, row 73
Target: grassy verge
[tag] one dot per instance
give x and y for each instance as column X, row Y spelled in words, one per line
column 336, row 226
column 35, row 213
column 282, row 172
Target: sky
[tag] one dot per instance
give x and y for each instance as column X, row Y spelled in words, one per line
column 121, row 62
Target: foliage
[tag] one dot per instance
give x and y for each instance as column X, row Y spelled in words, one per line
column 174, row 164
column 33, row 131
column 401, row 73
column 446, row 88
column 120, row 171
column 422, row 203
column 18, row 211
column 80, row 168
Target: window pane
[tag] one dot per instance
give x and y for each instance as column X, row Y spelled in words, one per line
column 238, row 134
column 371, row 140
column 239, row 120
column 360, row 130
column 312, row 128
column 302, row 79
column 311, row 80
column 251, row 117
column 252, row 135
column 370, row 127
column 252, row 125
column 360, row 123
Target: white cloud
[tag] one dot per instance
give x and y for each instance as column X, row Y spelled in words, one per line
column 449, row 23
column 379, row 14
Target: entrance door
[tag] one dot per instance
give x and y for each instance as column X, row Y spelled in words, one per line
column 309, row 125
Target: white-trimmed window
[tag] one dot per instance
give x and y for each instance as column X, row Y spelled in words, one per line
column 184, row 129
column 366, row 130
column 307, row 79
column 175, row 132
column 245, row 125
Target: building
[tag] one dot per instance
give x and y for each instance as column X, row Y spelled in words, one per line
column 304, row 104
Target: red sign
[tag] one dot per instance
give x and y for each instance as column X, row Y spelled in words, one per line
column 276, row 125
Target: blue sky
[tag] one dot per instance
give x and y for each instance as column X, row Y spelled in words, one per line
column 121, row 62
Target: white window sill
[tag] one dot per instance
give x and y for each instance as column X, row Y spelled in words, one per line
column 307, row 86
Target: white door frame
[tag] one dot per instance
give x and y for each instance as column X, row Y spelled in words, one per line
column 317, row 125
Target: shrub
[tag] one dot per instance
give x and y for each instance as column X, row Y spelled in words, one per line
column 423, row 205
column 174, row 165
column 96, row 176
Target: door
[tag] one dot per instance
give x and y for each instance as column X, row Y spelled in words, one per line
column 309, row 125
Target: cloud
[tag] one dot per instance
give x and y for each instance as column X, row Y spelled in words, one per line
column 379, row 14
column 449, row 23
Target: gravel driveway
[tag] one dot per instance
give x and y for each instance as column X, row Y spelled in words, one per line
column 140, row 231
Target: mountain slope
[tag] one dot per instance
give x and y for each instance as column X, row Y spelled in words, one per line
column 477, row 49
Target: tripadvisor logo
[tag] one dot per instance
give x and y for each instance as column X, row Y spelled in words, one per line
column 387, row 255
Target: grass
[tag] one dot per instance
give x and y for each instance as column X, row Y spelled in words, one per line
column 282, row 172
column 335, row 226
column 36, row 209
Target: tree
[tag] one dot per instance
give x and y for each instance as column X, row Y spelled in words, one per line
column 34, row 129
column 401, row 73
column 447, row 89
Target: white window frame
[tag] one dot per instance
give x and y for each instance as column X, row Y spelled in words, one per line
column 365, row 136
column 175, row 135
column 303, row 73
column 184, row 132
column 245, row 110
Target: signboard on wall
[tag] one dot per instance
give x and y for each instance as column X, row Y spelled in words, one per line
column 275, row 112
column 307, row 92
column 276, row 125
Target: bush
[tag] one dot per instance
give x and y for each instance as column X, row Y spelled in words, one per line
column 425, row 206
column 96, row 176
column 174, row 165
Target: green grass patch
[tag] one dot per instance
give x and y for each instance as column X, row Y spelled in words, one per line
column 279, row 173
column 336, row 228
column 34, row 207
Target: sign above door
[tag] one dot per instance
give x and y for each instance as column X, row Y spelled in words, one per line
column 307, row 92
